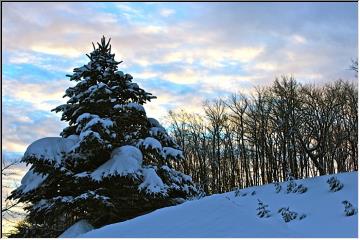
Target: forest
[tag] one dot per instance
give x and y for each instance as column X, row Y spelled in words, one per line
column 286, row 128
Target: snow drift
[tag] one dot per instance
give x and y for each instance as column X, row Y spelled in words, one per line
column 320, row 214
column 79, row 227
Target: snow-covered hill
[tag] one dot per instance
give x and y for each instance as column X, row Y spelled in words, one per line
column 227, row 215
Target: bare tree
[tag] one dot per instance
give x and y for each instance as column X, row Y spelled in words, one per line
column 252, row 140
column 354, row 67
column 8, row 208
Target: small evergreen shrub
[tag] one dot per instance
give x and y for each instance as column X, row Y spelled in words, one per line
column 292, row 186
column 287, row 215
column 300, row 189
column 262, row 211
column 277, row 187
column 237, row 192
column 349, row 208
column 334, row 184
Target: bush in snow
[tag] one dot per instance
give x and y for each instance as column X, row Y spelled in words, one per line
column 300, row 189
column 334, row 184
column 287, row 215
column 292, row 186
column 119, row 159
column 262, row 211
column 253, row 193
column 237, row 192
column 349, row 208
column 277, row 187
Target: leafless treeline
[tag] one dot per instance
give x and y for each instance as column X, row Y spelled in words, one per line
column 254, row 140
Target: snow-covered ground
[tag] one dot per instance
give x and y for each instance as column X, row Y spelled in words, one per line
column 227, row 215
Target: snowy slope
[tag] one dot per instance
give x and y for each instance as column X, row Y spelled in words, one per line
column 227, row 215
column 79, row 227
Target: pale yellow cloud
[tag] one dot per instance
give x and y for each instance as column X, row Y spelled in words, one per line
column 14, row 147
column 57, row 50
column 158, row 108
column 187, row 76
column 43, row 96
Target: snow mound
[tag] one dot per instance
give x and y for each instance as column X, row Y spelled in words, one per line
column 152, row 183
column 124, row 160
column 78, row 228
column 50, row 148
column 31, row 181
column 227, row 215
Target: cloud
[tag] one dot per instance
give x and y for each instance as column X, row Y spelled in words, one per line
column 176, row 46
column 166, row 12
column 45, row 96
column 56, row 50
column 23, row 124
column 297, row 39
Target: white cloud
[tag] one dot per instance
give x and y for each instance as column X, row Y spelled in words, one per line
column 152, row 29
column 166, row 12
column 266, row 66
column 297, row 39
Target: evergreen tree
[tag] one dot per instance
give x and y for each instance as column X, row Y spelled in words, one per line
column 287, row 215
column 334, row 184
column 277, row 187
column 349, row 208
column 112, row 162
column 291, row 184
column 262, row 210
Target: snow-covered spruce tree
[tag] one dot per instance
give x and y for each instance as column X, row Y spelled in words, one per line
column 237, row 192
column 349, row 208
column 334, row 184
column 292, row 186
column 287, row 215
column 277, row 187
column 112, row 162
column 262, row 210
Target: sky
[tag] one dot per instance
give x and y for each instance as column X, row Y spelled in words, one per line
column 183, row 53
